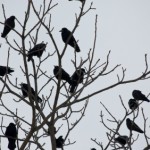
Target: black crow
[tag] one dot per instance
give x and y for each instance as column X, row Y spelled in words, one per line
column 122, row 139
column 65, row 33
column 9, row 24
column 5, row 70
column 132, row 126
column 11, row 131
column 25, row 92
column 93, row 149
column 37, row 50
column 133, row 104
column 59, row 142
column 62, row 74
column 76, row 78
column 137, row 94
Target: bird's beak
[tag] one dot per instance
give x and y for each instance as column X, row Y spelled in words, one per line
column 60, row 30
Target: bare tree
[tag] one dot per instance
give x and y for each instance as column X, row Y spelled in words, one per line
column 57, row 109
column 112, row 133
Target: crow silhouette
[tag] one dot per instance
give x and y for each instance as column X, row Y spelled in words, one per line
column 8, row 26
column 11, row 131
column 25, row 92
column 65, row 33
column 133, row 104
column 59, row 142
column 62, row 74
column 122, row 139
column 137, row 94
column 37, row 50
column 132, row 126
column 76, row 78
column 5, row 70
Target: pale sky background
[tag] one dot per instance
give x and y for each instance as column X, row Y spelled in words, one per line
column 123, row 27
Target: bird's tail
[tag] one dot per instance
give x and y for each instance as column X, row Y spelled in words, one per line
column 140, row 131
column 77, row 48
column 10, row 70
column 5, row 32
column 69, row 81
column 72, row 88
column 147, row 100
column 12, row 144
column 2, row 35
column 39, row 100
column 29, row 58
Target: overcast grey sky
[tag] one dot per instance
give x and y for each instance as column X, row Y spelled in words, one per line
column 124, row 28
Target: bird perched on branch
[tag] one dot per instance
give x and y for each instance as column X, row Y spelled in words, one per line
column 62, row 74
column 11, row 134
column 137, row 94
column 133, row 104
column 59, row 142
column 8, row 26
column 122, row 139
column 77, row 78
column 133, row 126
column 26, row 92
column 5, row 70
column 65, row 33
column 37, row 50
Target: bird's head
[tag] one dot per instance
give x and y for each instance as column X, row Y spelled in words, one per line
column 125, row 137
column 83, row 70
column 21, row 84
column 132, row 100
column 56, row 66
column 136, row 91
column 12, row 124
column 13, row 17
column 61, row 137
column 42, row 45
column 127, row 120
column 63, row 30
